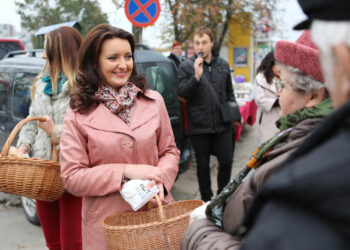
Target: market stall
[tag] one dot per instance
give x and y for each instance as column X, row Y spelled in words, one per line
column 245, row 98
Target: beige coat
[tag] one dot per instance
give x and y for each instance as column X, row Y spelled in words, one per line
column 95, row 148
column 204, row 234
column 42, row 104
column 266, row 115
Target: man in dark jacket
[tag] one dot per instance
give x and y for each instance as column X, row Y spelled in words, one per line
column 204, row 81
column 176, row 53
column 306, row 205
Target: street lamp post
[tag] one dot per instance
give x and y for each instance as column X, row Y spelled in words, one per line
column 137, row 32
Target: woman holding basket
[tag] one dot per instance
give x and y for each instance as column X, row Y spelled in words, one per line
column 115, row 129
column 61, row 219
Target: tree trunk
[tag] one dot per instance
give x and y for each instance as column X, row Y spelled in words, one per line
column 218, row 44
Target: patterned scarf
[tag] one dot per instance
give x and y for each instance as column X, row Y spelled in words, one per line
column 48, row 88
column 119, row 103
column 215, row 208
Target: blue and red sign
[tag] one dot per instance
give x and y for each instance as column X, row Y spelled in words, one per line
column 142, row 13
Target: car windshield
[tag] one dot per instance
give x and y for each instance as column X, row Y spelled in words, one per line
column 161, row 77
column 21, row 94
column 4, row 88
column 6, row 47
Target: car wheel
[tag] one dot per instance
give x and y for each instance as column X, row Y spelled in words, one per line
column 29, row 208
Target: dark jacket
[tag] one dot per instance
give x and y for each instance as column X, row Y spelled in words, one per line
column 202, row 103
column 305, row 205
column 204, row 234
column 175, row 59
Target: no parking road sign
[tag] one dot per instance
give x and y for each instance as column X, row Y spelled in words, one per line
column 142, row 13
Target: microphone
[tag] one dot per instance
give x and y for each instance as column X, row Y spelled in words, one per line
column 200, row 54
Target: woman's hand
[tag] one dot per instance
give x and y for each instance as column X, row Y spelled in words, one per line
column 160, row 194
column 143, row 172
column 160, row 188
column 47, row 126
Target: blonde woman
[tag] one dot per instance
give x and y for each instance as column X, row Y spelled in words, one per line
column 61, row 219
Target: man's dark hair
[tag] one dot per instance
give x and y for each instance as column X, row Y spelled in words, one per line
column 200, row 31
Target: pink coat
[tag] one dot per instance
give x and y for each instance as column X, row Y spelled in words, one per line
column 95, row 148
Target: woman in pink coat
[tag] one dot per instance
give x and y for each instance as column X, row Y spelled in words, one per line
column 115, row 129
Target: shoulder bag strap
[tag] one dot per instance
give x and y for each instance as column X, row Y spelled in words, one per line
column 263, row 87
column 216, row 95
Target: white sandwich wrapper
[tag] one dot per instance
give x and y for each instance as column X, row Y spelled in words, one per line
column 135, row 193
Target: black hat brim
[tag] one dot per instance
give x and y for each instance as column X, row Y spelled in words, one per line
column 303, row 25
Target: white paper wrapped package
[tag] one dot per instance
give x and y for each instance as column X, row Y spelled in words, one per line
column 135, row 193
column 199, row 212
column 15, row 152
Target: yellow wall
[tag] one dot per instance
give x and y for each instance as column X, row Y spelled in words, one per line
column 239, row 37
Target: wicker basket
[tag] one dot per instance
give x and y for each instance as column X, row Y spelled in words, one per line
column 157, row 228
column 34, row 178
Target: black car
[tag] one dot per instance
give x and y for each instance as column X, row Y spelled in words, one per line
column 18, row 70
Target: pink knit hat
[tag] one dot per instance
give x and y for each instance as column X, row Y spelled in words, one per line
column 303, row 55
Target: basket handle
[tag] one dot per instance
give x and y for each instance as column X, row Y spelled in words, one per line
column 54, row 152
column 160, row 206
column 6, row 148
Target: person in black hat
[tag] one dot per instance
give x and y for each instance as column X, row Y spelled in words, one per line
column 306, row 205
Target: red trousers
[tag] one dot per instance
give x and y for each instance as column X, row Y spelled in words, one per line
column 61, row 222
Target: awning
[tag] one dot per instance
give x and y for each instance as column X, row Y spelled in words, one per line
column 47, row 29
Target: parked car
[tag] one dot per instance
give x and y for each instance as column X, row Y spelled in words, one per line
column 9, row 44
column 18, row 70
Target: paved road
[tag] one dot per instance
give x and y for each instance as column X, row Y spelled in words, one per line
column 17, row 233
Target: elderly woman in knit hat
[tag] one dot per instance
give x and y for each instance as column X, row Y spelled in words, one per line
column 304, row 103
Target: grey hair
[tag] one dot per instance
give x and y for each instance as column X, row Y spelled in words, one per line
column 301, row 81
column 325, row 34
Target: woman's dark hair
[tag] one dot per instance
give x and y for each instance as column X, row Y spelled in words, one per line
column 90, row 76
column 266, row 67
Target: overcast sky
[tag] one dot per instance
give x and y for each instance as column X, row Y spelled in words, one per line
column 290, row 14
